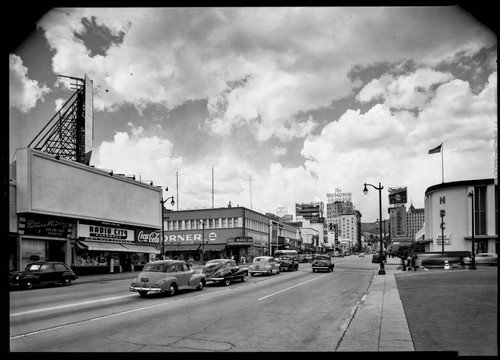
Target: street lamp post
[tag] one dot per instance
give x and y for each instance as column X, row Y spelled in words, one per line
column 381, row 271
column 163, row 222
column 472, row 265
column 203, row 240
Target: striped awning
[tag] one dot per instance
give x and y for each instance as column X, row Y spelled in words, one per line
column 100, row 246
column 141, row 248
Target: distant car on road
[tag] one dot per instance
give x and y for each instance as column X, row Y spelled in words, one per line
column 484, row 259
column 42, row 273
column 224, row 271
column 167, row 276
column 322, row 262
column 287, row 263
column 264, row 265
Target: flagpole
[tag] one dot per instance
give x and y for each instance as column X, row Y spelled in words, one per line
column 442, row 162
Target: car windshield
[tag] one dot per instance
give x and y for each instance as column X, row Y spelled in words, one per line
column 322, row 258
column 153, row 267
column 33, row 267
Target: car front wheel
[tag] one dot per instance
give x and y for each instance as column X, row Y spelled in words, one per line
column 244, row 277
column 28, row 285
column 171, row 290
column 227, row 282
column 200, row 286
column 143, row 293
column 66, row 282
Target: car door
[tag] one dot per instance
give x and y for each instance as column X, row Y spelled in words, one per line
column 59, row 270
column 183, row 275
column 46, row 274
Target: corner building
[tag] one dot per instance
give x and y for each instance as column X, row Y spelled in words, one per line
column 216, row 233
column 96, row 222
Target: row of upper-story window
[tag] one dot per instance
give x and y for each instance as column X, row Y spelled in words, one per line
column 216, row 223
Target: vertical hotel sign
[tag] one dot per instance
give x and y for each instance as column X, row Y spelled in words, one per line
column 398, row 195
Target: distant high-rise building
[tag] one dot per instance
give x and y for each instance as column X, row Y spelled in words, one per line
column 309, row 211
column 415, row 221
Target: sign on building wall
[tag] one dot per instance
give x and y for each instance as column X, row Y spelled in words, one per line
column 398, row 195
column 44, row 226
column 447, row 239
column 338, row 196
column 100, row 232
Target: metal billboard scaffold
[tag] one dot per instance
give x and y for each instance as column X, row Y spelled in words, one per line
column 69, row 134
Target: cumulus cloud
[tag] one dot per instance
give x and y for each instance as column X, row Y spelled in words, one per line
column 194, row 52
column 264, row 72
column 392, row 146
column 409, row 91
column 23, row 92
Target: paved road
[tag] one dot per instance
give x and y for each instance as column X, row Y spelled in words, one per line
column 453, row 312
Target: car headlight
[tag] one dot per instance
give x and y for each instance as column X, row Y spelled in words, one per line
column 18, row 277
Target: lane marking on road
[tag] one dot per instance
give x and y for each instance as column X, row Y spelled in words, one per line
column 291, row 287
column 70, row 305
column 111, row 315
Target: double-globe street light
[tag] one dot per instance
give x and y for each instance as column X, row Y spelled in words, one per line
column 163, row 221
column 381, row 270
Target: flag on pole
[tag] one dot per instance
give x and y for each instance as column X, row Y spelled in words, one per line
column 436, row 149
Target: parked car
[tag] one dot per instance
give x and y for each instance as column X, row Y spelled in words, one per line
column 42, row 273
column 322, row 262
column 224, row 271
column 287, row 263
column 167, row 276
column 302, row 259
column 484, row 259
column 264, row 265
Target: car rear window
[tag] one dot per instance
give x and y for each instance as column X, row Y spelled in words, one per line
column 153, row 268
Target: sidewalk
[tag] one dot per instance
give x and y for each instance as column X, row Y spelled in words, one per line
column 379, row 322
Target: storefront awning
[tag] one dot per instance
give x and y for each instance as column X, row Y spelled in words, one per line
column 214, row 247
column 99, row 246
column 182, row 247
column 141, row 249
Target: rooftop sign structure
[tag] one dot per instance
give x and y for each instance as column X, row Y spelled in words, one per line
column 69, row 134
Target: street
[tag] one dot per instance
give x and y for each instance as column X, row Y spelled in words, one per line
column 291, row 311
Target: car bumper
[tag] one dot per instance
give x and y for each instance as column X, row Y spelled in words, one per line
column 259, row 271
column 215, row 279
column 144, row 288
column 322, row 267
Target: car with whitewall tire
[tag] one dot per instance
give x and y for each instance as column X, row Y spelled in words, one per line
column 264, row 265
column 167, row 276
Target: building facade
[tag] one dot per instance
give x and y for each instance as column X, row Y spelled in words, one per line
column 450, row 210
column 62, row 210
column 230, row 232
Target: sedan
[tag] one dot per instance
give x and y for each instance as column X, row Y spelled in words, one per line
column 42, row 273
column 224, row 271
column 167, row 276
column 287, row 263
column 484, row 259
column 322, row 262
column 264, row 265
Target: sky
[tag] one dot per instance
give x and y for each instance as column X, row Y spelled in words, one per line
column 265, row 107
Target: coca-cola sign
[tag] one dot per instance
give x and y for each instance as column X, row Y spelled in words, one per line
column 148, row 237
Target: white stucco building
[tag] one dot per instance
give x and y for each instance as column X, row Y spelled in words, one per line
column 453, row 199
